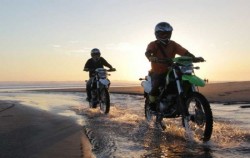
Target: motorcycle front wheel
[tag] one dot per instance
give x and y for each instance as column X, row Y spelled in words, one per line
column 201, row 117
column 148, row 114
column 104, row 101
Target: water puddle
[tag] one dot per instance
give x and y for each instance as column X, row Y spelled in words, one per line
column 125, row 133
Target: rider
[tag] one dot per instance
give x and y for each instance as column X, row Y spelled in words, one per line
column 162, row 48
column 96, row 61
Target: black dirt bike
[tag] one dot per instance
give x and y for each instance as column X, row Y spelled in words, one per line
column 100, row 90
column 179, row 97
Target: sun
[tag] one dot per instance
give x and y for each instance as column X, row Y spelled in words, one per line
column 140, row 68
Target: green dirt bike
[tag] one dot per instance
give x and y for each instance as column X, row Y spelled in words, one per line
column 179, row 97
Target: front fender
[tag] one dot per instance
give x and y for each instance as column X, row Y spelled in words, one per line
column 194, row 80
column 105, row 82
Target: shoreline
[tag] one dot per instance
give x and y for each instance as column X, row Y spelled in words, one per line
column 224, row 93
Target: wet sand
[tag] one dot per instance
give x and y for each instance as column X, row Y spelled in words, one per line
column 27, row 132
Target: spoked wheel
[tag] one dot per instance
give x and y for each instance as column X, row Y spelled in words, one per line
column 104, row 101
column 148, row 114
column 200, row 114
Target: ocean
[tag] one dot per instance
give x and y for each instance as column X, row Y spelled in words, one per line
column 124, row 132
column 33, row 85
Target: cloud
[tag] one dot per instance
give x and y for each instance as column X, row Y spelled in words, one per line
column 77, row 51
column 86, row 50
column 57, row 46
column 126, row 47
column 123, row 46
column 74, row 42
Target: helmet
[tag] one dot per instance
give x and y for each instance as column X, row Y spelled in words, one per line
column 163, row 32
column 95, row 54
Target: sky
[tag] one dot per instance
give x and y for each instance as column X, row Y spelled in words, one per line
column 50, row 40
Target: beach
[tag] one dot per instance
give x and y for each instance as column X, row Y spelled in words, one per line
column 30, row 132
column 27, row 132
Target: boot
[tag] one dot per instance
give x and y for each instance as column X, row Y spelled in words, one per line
column 152, row 103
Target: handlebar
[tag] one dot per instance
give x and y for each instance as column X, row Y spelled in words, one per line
column 109, row 70
column 198, row 60
column 171, row 61
column 142, row 79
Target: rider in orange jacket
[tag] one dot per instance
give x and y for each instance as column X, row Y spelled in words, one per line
column 162, row 48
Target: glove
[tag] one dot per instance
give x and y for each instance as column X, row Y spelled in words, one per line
column 153, row 59
column 198, row 59
column 86, row 69
column 112, row 69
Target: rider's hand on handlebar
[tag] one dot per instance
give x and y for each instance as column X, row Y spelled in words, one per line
column 153, row 59
column 112, row 69
column 198, row 59
column 86, row 69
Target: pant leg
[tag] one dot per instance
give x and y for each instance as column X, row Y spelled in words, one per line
column 88, row 87
column 157, row 80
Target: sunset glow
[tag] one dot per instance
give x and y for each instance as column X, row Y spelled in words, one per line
column 47, row 40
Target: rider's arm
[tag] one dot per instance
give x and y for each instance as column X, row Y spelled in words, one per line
column 150, row 51
column 183, row 52
column 87, row 66
column 105, row 63
column 195, row 59
column 150, row 56
column 189, row 54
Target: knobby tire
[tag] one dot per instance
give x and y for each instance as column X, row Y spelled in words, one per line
column 208, row 113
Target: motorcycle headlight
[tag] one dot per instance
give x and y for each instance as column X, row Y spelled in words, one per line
column 102, row 74
column 186, row 69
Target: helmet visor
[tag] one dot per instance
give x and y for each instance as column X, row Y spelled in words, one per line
column 163, row 35
column 95, row 56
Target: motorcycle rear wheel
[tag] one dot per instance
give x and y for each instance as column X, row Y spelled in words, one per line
column 201, row 117
column 104, row 101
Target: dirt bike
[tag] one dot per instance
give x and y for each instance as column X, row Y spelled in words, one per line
column 179, row 97
column 99, row 90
